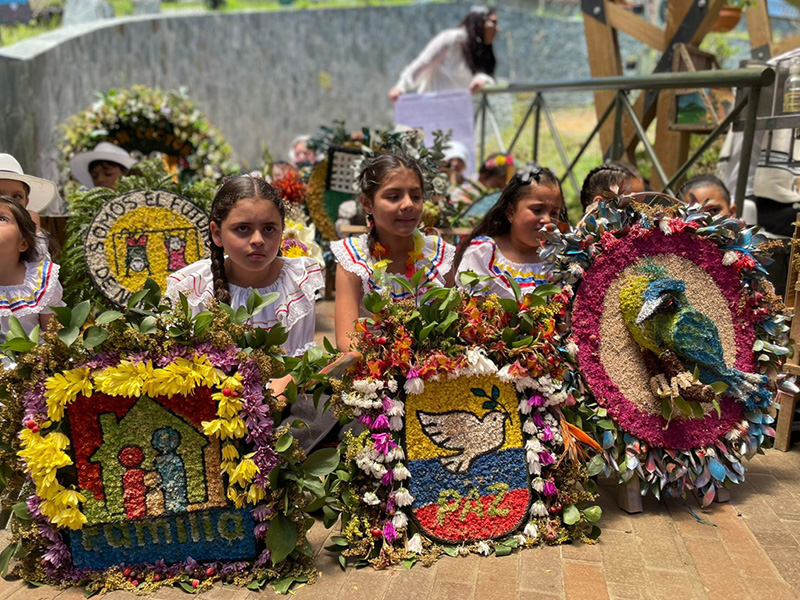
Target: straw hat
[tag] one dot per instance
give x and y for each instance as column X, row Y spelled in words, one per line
column 79, row 164
column 41, row 191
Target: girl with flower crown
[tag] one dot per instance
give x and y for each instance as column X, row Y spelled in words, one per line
column 505, row 244
column 392, row 191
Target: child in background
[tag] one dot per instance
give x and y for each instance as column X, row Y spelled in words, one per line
column 28, row 283
column 710, row 193
column 32, row 193
column 600, row 179
column 246, row 231
column 505, row 244
column 102, row 166
column 392, row 191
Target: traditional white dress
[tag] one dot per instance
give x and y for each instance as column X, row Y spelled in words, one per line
column 39, row 290
column 298, row 282
column 441, row 66
column 354, row 255
column 484, row 258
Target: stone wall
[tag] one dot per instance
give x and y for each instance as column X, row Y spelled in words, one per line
column 258, row 75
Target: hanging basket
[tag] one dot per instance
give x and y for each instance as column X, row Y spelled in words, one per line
column 728, row 18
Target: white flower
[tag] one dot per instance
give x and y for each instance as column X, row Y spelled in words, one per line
column 402, row 497
column 521, row 540
column 534, row 467
column 538, row 484
column 729, row 258
column 395, row 423
column 665, row 228
column 378, row 470
column 538, row 509
column 399, row 520
column 529, row 427
column 480, row 363
column 534, row 445
column 371, row 498
column 484, row 548
column 524, row 407
column 415, row 544
column 401, row 473
column 572, row 348
column 396, row 454
column 392, row 385
column 414, row 385
column 531, row 530
column 524, row 382
column 503, row 375
column 397, row 409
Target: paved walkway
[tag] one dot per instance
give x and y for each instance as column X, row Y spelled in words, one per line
column 751, row 549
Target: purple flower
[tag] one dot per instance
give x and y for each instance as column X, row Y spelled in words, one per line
column 550, row 488
column 536, row 400
column 387, row 478
column 263, row 559
column 389, row 532
column 545, row 458
column 173, row 354
column 390, row 506
column 261, row 512
column 537, row 420
column 383, row 442
column 547, row 434
column 381, row 422
column 387, row 402
column 261, row 530
column 366, row 420
column 412, row 374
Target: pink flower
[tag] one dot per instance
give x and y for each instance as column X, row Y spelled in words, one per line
column 536, row 400
column 538, row 420
column 365, row 420
column 545, row 458
column 387, row 478
column 547, row 434
column 389, row 532
column 550, row 488
column 381, row 422
column 383, row 442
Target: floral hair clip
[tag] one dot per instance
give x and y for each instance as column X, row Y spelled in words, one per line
column 502, row 160
column 529, row 173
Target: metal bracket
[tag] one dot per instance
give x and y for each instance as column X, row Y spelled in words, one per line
column 595, row 9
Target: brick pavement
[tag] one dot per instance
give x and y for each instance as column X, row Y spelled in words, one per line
column 752, row 550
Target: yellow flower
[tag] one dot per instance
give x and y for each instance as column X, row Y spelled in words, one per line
column 70, row 517
column 233, row 383
column 126, row 379
column 228, row 407
column 229, row 452
column 255, row 494
column 63, row 388
column 236, row 497
column 244, row 472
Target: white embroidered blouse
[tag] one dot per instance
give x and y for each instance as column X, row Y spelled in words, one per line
column 39, row 290
column 483, row 257
column 354, row 255
column 297, row 284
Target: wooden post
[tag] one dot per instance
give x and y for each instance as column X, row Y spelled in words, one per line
column 783, row 430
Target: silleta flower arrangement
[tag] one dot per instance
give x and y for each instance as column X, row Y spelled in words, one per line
column 149, row 226
column 675, row 331
column 144, row 449
column 143, row 121
column 464, row 447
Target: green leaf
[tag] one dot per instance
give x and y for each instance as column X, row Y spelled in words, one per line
column 479, row 392
column 682, row 406
column 425, row 332
column 571, row 515
column 719, row 387
column 108, row 317
column 606, row 424
column 596, row 465
column 148, row 325
column 717, row 408
column 20, row 510
column 68, row 335
column 515, row 288
column 63, row 314
column 697, row 410
column 546, row 290
column 450, row 550
column 340, row 541
column 153, row 290
column 15, row 329
column 408, row 562
column 449, row 320
column 94, row 336
column 202, row 323
column 284, row 442
column 593, row 513
column 19, row 345
column 5, row 557
column 342, row 562
column 136, row 298
column 509, row 305
column 522, row 342
column 80, row 313
column 416, row 279
column 502, row 550
column 281, row 538
column 254, row 585
column 322, row 462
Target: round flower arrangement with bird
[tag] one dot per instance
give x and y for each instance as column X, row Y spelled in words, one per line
column 464, row 447
column 144, row 451
column 676, row 333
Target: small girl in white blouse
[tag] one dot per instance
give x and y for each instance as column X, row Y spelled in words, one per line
column 505, row 244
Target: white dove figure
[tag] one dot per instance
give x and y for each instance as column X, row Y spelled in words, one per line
column 464, row 431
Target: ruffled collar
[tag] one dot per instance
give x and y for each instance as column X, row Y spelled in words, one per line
column 525, row 274
column 34, row 293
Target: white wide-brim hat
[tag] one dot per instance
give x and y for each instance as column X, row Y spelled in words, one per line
column 41, row 191
column 79, row 164
column 455, row 149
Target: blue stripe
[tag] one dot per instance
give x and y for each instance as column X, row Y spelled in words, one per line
column 428, row 477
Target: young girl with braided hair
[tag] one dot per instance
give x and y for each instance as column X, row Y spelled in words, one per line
column 600, row 179
column 245, row 234
column 392, row 191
